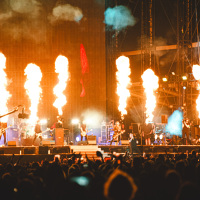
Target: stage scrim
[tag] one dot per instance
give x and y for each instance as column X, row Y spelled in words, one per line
column 42, row 43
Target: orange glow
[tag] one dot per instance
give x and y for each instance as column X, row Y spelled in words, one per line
column 150, row 84
column 61, row 67
column 5, row 95
column 123, row 81
column 196, row 74
column 33, row 89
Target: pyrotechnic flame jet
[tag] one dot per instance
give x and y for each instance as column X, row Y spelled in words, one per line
column 33, row 89
column 196, row 74
column 61, row 67
column 5, row 95
column 123, row 81
column 150, row 84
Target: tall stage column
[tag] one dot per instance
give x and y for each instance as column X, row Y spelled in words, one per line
column 59, row 136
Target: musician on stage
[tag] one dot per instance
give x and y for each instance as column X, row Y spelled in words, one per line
column 186, row 131
column 147, row 131
column 37, row 132
column 83, row 131
column 117, row 133
column 59, row 123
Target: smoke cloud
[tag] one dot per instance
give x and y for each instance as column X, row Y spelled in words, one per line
column 119, row 17
column 66, row 12
column 174, row 125
column 22, row 19
column 30, row 7
column 30, row 19
column 5, row 16
column 92, row 118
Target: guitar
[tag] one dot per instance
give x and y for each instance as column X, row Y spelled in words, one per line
column 2, row 130
column 40, row 134
column 120, row 133
column 84, row 133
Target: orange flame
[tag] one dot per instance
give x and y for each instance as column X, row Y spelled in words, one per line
column 123, row 81
column 33, row 89
column 5, row 95
column 61, row 67
column 150, row 84
column 196, row 74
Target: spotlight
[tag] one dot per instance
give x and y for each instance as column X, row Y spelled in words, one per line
column 184, row 87
column 173, row 73
column 43, row 121
column 164, row 79
column 184, row 78
column 75, row 121
column 88, row 121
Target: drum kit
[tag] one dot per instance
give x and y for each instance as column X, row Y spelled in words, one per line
column 159, row 139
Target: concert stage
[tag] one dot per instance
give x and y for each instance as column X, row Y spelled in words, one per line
column 39, row 153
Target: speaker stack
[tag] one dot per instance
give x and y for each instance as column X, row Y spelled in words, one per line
column 92, row 139
column 59, row 136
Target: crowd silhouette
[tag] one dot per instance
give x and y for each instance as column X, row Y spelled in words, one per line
column 163, row 176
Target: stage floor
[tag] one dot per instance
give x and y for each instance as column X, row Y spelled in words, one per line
column 57, row 149
column 24, row 154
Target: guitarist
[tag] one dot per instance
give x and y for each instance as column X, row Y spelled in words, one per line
column 37, row 132
column 83, row 131
column 117, row 132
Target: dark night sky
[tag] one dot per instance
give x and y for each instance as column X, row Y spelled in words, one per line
column 164, row 15
column 165, row 19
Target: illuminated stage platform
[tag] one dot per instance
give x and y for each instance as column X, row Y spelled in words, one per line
column 153, row 149
column 69, row 149
column 39, row 153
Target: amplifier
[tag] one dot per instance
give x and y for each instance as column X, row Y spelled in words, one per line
column 125, row 142
column 82, row 142
column 91, row 139
column 11, row 143
column 59, row 136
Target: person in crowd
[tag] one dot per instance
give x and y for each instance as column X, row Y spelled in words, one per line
column 120, row 186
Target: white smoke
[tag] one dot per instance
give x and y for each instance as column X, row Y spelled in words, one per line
column 23, row 19
column 92, row 118
column 5, row 16
column 30, row 7
column 28, row 19
column 66, row 12
column 159, row 41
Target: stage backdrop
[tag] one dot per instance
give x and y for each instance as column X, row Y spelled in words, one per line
column 39, row 37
